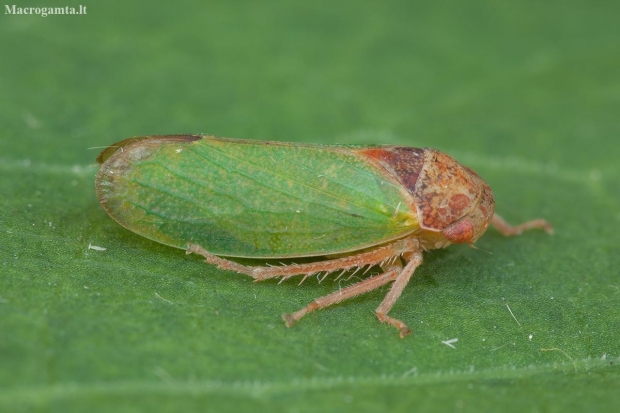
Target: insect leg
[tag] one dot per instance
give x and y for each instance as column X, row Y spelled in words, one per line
column 508, row 230
column 260, row 273
column 414, row 261
column 222, row 263
column 361, row 287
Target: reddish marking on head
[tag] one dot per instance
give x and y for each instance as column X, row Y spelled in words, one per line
column 458, row 202
column 459, row 232
column 444, row 185
column 484, row 211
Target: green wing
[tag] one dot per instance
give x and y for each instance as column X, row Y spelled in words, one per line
column 252, row 198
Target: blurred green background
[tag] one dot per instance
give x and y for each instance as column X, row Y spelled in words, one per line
column 527, row 93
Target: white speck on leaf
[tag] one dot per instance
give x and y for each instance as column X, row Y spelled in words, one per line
column 511, row 313
column 31, row 121
column 163, row 299
column 96, row 247
column 450, row 342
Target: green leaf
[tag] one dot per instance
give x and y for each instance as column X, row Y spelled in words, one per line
column 526, row 93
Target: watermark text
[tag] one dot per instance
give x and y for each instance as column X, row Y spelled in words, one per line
column 44, row 11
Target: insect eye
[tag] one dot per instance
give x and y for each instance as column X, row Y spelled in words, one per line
column 460, row 232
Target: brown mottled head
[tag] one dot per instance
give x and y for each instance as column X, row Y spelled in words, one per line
column 471, row 226
column 452, row 199
column 454, row 204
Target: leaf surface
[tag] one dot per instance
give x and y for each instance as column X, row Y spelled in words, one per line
column 525, row 93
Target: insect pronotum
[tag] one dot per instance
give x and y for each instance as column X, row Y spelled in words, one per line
column 360, row 205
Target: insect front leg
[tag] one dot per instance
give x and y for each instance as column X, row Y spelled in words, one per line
column 508, row 230
column 414, row 260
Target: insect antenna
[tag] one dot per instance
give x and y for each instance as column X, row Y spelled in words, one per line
column 479, row 249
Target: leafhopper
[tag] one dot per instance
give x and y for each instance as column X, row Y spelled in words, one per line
column 350, row 206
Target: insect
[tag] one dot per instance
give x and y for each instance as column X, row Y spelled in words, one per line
column 354, row 206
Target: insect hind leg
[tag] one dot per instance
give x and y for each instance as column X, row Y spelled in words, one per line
column 383, row 255
column 220, row 262
column 394, row 272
